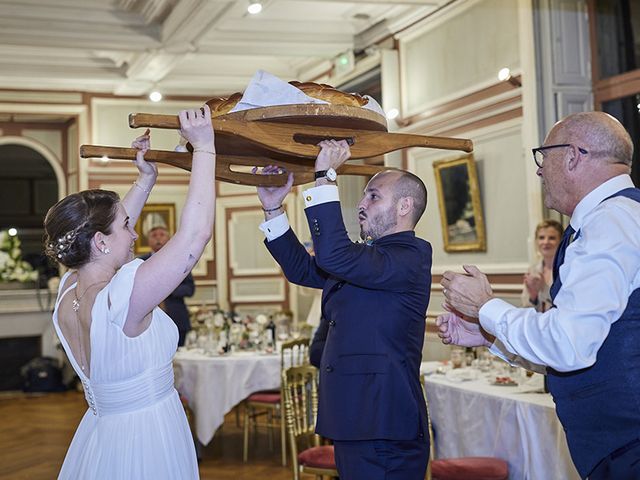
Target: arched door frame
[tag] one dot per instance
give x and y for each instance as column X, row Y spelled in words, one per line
column 79, row 111
column 46, row 153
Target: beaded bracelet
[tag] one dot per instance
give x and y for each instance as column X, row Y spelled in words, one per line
column 148, row 192
column 269, row 210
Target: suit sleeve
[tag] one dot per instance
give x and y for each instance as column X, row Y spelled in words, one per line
column 394, row 267
column 185, row 289
column 298, row 266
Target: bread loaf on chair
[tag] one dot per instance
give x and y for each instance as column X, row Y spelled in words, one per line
column 325, row 92
column 223, row 105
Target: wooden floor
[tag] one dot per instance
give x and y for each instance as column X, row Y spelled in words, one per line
column 35, row 431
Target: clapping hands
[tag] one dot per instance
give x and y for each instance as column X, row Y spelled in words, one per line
column 456, row 330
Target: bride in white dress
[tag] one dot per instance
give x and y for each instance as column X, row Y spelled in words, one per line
column 119, row 342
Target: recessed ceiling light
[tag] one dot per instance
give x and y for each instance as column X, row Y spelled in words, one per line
column 254, row 8
column 155, row 96
column 12, row 232
column 104, row 159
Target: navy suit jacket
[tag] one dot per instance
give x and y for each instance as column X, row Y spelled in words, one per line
column 174, row 305
column 374, row 303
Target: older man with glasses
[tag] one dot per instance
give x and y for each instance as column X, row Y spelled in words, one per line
column 589, row 344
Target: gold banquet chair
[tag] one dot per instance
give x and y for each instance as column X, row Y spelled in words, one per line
column 270, row 403
column 461, row 468
column 300, row 388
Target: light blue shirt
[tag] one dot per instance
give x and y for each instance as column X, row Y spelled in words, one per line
column 600, row 271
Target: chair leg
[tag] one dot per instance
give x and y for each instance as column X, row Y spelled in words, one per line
column 283, row 438
column 245, row 444
column 270, row 428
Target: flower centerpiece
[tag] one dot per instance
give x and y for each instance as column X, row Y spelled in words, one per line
column 12, row 267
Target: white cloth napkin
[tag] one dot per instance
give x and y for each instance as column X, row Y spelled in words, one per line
column 266, row 90
column 535, row 384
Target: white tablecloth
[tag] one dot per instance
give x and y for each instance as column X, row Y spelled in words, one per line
column 214, row 385
column 475, row 418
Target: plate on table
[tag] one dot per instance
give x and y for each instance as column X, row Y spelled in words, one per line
column 504, row 382
column 461, row 375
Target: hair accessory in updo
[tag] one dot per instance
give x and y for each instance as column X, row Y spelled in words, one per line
column 59, row 247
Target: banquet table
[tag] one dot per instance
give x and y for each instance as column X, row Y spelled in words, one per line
column 213, row 385
column 473, row 417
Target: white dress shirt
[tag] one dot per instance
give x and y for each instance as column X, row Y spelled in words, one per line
column 278, row 226
column 600, row 271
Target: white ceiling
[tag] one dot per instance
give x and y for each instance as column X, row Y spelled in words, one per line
column 185, row 47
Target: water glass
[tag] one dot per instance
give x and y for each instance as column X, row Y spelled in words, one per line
column 457, row 357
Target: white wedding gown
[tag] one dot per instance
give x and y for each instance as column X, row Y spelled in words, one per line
column 135, row 427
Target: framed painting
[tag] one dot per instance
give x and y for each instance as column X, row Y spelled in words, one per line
column 154, row 215
column 459, row 203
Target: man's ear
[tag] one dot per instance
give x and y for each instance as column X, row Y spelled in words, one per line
column 573, row 158
column 405, row 206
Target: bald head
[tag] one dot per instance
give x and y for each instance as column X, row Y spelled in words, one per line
column 600, row 134
column 409, row 185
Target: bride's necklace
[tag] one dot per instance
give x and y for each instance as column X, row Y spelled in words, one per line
column 76, row 306
column 76, row 301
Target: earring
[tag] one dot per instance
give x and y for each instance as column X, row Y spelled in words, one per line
column 106, row 251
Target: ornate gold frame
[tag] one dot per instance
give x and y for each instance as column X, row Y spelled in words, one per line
column 166, row 210
column 461, row 233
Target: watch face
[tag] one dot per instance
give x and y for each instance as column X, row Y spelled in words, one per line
column 331, row 174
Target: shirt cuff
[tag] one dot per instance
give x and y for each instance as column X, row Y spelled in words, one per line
column 490, row 314
column 276, row 227
column 321, row 194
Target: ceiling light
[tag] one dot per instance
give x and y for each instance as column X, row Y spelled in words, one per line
column 12, row 232
column 104, row 159
column 155, row 96
column 254, row 8
column 393, row 113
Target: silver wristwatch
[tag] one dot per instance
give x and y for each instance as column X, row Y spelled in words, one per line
column 330, row 174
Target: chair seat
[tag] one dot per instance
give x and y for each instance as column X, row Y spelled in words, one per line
column 264, row 397
column 469, row 468
column 318, row 457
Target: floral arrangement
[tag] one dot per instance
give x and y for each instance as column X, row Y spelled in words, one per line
column 12, row 267
column 230, row 331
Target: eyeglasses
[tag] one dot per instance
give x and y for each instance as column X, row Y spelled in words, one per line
column 539, row 153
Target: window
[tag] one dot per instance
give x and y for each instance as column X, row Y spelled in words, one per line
column 615, row 43
column 617, row 31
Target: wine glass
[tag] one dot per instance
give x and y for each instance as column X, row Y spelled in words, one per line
column 282, row 332
column 295, row 332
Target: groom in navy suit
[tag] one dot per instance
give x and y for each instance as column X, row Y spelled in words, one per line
column 374, row 303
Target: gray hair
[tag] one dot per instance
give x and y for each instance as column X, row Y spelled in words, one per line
column 604, row 135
